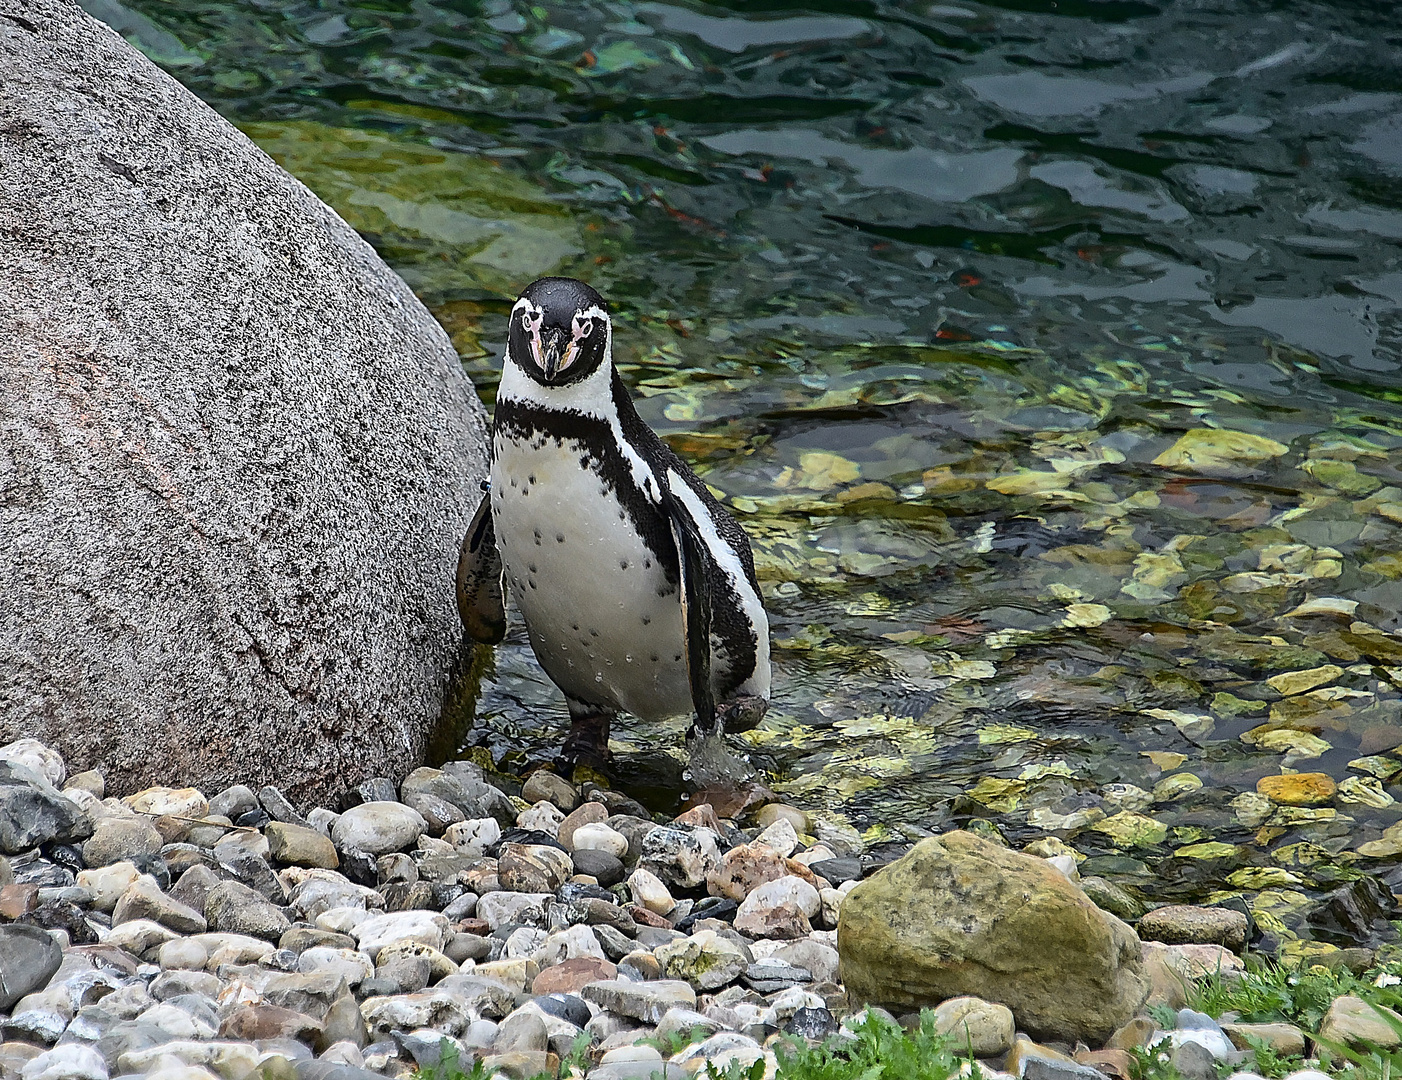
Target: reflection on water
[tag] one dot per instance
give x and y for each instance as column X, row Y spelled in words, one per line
column 1049, row 352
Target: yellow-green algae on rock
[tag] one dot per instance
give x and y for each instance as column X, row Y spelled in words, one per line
column 499, row 229
column 958, row 915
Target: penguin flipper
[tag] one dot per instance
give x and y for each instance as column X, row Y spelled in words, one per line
column 692, row 560
column 481, row 599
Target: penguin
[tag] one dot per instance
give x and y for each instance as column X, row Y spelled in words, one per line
column 637, row 588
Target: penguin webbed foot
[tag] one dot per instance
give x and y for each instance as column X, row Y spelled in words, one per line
column 588, row 742
column 744, row 713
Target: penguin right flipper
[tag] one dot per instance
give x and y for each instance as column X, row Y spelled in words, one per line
column 692, row 560
column 481, row 599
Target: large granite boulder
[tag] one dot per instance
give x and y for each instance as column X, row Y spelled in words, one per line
column 237, row 455
column 961, row 916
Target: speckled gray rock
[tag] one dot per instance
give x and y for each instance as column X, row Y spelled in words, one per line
column 300, row 845
column 1183, row 924
column 121, row 839
column 680, row 857
column 241, row 454
column 646, row 1001
column 32, row 811
column 28, row 959
column 145, row 901
column 233, row 907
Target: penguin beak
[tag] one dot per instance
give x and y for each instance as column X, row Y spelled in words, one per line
column 553, row 353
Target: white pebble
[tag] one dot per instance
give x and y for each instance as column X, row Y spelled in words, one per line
column 341, row 920
column 599, row 837
column 649, row 892
column 523, row 942
column 780, row 836
column 1067, row 865
column 790, row 889
column 543, row 817
column 72, row 1061
column 183, row 954
column 35, row 756
column 108, row 883
column 477, row 834
column 351, row 964
column 817, row 853
column 631, row 1053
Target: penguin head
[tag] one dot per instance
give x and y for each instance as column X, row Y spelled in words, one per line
column 560, row 331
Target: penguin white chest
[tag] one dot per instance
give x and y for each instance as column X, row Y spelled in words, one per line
column 604, row 621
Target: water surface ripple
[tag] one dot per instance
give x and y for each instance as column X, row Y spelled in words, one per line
column 1049, row 350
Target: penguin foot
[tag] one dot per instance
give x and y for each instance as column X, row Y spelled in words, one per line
column 588, row 743
column 742, row 714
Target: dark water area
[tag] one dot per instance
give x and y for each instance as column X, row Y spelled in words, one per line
column 1050, row 351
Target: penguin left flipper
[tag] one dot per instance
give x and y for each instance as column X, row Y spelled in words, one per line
column 481, row 600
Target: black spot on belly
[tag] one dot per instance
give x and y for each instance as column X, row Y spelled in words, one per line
column 677, row 658
column 647, row 620
column 654, row 658
column 623, row 564
column 532, row 583
column 575, row 626
column 531, row 478
column 559, row 538
column 593, row 633
column 661, row 592
column 532, row 568
column 647, row 564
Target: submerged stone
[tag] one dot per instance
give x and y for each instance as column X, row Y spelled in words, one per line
column 1298, row 789
column 1218, row 452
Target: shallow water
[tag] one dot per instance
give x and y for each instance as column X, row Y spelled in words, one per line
column 931, row 293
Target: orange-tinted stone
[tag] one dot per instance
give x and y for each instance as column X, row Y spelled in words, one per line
column 1298, row 789
column 17, row 901
column 703, row 816
column 1114, row 1063
column 572, row 976
column 643, row 917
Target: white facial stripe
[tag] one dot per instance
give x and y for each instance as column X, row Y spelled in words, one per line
column 581, row 326
column 529, row 309
column 729, row 562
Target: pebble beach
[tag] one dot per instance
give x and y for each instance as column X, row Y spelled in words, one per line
column 447, row 923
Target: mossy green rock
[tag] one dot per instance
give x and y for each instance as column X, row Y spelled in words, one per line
column 426, row 205
column 960, row 916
